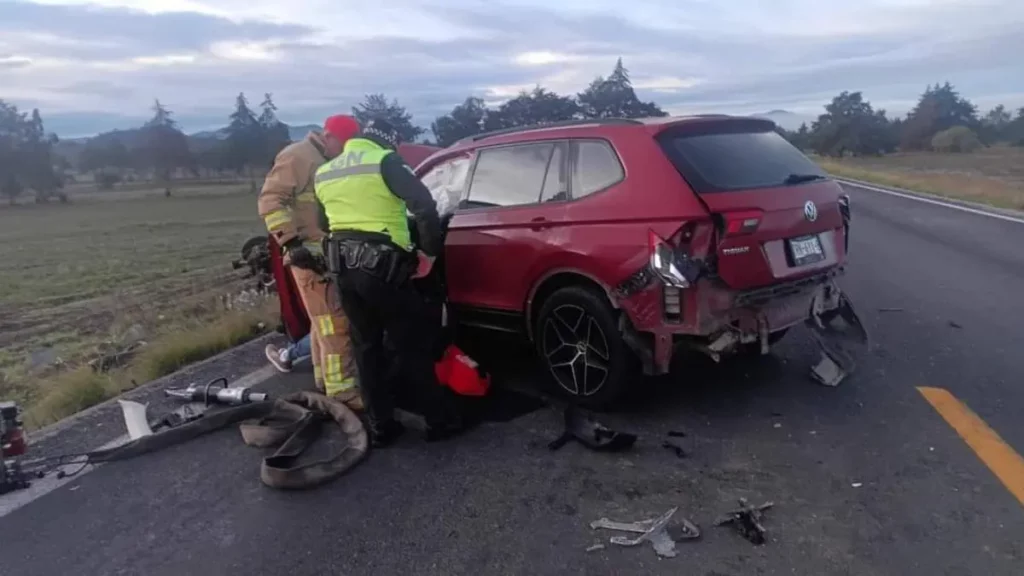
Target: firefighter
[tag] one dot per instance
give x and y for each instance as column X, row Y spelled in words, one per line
column 365, row 193
column 288, row 205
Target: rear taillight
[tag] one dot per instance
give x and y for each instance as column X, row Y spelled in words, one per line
column 742, row 223
column 672, row 267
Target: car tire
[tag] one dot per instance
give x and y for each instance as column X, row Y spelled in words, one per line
column 253, row 243
column 592, row 373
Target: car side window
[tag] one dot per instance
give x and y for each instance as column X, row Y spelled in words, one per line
column 556, row 184
column 509, row 175
column 447, row 183
column 595, row 167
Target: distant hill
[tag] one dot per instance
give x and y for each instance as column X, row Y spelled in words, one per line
column 197, row 142
column 784, row 118
column 294, row 132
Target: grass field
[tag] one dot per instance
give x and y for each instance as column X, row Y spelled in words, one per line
column 112, row 266
column 993, row 176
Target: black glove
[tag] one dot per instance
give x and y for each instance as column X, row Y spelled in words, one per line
column 300, row 257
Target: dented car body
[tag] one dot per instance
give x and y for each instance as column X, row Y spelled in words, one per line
column 611, row 244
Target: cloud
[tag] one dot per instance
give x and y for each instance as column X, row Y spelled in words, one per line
column 108, row 59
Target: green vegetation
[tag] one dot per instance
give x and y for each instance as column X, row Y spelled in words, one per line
column 66, row 393
column 993, row 175
column 80, row 279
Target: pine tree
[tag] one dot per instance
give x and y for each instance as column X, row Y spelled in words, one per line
column 164, row 147
column 614, row 97
column 245, row 141
column 378, row 106
column 275, row 133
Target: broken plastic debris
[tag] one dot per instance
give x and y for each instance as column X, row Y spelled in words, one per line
column 653, row 530
column 595, row 547
column 747, row 520
column 857, row 484
column 675, row 449
column 135, row 419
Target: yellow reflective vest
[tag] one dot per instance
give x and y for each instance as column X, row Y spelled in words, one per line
column 354, row 195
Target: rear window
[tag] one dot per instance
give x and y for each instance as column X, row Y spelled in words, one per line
column 728, row 158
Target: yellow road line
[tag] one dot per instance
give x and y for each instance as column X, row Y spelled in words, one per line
column 1000, row 458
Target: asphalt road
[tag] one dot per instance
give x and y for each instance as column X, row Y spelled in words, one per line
column 867, row 478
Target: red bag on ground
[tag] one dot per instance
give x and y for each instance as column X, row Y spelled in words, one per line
column 461, row 373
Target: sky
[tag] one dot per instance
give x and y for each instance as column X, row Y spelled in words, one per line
column 97, row 65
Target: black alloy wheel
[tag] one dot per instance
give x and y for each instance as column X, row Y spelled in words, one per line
column 578, row 340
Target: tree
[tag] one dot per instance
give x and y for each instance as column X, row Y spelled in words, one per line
column 613, row 97
column 540, row 106
column 38, row 161
column 850, row 125
column 464, row 120
column 107, row 158
column 996, row 123
column 244, row 145
column 939, row 108
column 275, row 133
column 164, row 148
column 1015, row 129
column 26, row 156
column 377, row 106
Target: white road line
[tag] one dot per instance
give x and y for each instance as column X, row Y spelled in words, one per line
column 921, row 198
column 40, row 487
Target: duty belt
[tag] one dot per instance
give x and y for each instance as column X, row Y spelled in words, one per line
column 372, row 253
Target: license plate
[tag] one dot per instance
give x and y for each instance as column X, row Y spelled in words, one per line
column 805, row 250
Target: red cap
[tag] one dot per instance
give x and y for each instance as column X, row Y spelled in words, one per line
column 342, row 127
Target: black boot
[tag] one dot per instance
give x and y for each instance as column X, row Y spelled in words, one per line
column 384, row 434
column 449, row 427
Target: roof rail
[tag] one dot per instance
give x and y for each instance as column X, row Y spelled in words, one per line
column 562, row 124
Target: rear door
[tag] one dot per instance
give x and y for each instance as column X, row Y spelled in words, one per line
column 777, row 211
column 499, row 231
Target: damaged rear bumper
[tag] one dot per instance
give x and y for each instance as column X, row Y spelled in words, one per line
column 720, row 323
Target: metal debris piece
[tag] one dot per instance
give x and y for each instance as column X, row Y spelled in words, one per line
column 595, row 547
column 747, row 520
column 954, row 324
column 591, row 433
column 683, row 530
column 654, row 530
column 890, row 309
column 675, row 449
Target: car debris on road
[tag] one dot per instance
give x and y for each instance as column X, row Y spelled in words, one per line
column 591, row 433
column 675, row 449
column 835, row 327
column 747, row 520
column 657, row 531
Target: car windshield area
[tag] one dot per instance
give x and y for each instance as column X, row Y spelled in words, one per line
column 728, row 160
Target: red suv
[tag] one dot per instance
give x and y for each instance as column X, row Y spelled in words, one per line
column 608, row 243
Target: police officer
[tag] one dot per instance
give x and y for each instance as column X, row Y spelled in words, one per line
column 364, row 194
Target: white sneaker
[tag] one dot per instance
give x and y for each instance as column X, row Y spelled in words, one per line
column 278, row 357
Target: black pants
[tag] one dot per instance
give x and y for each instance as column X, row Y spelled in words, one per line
column 374, row 307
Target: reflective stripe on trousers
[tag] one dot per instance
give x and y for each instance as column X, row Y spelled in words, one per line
column 333, row 364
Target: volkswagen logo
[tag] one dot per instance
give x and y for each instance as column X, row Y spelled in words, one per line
column 810, row 211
